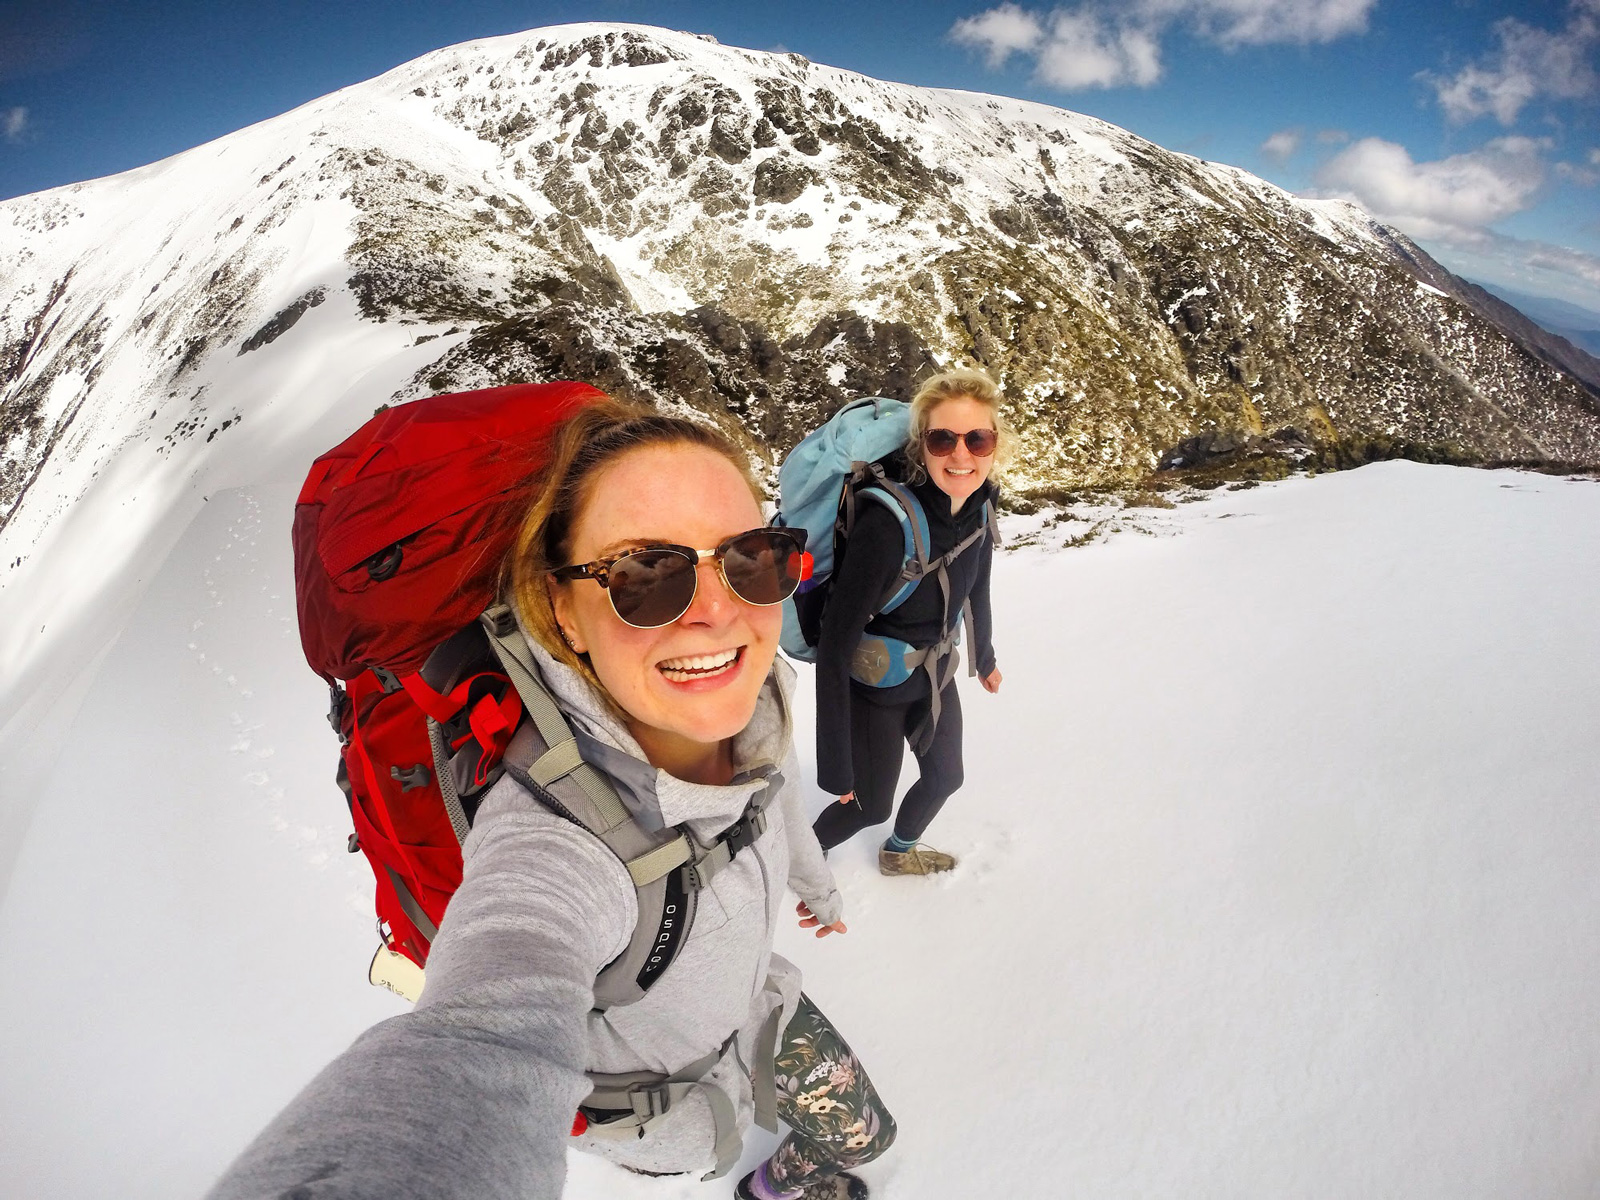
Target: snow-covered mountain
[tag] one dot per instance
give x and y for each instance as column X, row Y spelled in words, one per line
column 746, row 234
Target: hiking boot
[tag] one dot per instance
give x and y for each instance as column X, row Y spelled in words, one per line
column 919, row 860
column 843, row 1186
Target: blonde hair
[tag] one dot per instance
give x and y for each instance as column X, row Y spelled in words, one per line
column 591, row 439
column 961, row 384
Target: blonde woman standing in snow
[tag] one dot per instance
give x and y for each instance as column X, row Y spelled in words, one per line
column 956, row 429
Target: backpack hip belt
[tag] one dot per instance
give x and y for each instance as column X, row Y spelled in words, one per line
column 628, row 1106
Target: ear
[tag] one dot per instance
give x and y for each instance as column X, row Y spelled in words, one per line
column 566, row 616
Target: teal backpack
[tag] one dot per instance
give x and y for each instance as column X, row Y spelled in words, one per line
column 820, row 483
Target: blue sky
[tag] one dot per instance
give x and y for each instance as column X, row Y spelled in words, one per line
column 1473, row 125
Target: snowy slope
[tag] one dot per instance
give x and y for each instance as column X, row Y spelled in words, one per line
column 1278, row 871
column 747, row 235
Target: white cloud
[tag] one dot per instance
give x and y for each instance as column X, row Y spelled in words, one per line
column 1266, row 22
column 13, row 123
column 1102, row 43
column 1332, row 137
column 1529, row 63
column 1453, row 202
column 1454, row 199
column 1565, row 261
column 1000, row 32
column 1082, row 50
column 1282, row 145
column 1583, row 176
column 1535, row 267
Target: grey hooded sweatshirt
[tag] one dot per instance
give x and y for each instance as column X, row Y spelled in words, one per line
column 473, row 1093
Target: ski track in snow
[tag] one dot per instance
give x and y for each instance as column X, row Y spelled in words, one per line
column 1277, row 870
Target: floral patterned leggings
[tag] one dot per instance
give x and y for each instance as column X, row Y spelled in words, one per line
column 825, row 1098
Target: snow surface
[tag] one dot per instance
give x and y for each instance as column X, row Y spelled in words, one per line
column 193, row 255
column 1278, row 871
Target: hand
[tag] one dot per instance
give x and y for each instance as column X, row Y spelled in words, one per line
column 807, row 921
column 991, row 681
column 847, row 797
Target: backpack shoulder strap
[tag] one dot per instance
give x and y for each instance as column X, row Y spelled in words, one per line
column 668, row 867
column 913, row 520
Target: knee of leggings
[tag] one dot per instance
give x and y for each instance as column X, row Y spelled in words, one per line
column 946, row 782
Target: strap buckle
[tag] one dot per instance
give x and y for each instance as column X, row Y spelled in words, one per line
column 743, row 832
column 336, row 706
column 650, row 1100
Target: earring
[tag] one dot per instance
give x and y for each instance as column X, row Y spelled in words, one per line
column 567, row 638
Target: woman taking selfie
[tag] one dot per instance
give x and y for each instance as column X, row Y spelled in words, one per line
column 956, row 430
column 647, row 593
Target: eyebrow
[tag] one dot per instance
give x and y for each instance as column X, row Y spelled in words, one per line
column 623, row 545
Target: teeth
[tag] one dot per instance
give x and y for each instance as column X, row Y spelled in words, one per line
column 699, row 664
column 958, row 470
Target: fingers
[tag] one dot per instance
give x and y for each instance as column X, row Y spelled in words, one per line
column 836, row 927
column 847, row 797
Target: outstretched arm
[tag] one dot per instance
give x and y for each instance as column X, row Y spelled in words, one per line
column 472, row 1094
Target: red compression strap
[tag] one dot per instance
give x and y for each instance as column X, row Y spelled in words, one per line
column 492, row 725
column 492, row 722
column 319, row 472
column 440, row 708
column 373, row 789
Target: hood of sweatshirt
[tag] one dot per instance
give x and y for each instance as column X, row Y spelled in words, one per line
column 655, row 798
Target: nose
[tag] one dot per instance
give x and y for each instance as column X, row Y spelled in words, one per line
column 961, row 457
column 713, row 604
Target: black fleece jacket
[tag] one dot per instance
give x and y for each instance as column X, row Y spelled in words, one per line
column 862, row 580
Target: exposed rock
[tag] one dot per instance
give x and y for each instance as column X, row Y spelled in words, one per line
column 779, row 181
column 284, row 321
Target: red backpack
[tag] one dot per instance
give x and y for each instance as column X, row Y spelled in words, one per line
column 399, row 536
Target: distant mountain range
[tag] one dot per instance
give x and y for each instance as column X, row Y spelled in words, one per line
column 747, row 235
column 1579, row 325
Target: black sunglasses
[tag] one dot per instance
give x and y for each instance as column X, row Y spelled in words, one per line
column 940, row 442
column 652, row 586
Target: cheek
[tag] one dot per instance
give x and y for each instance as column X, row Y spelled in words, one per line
column 619, row 655
column 766, row 621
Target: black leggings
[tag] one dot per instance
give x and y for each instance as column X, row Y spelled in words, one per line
column 878, row 733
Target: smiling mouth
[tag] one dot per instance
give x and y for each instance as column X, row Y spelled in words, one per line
column 958, row 470
column 700, row 666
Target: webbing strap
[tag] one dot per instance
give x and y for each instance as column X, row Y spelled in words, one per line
column 648, row 868
column 922, row 736
column 440, row 708
column 559, row 760
column 729, row 1144
column 447, row 782
column 409, row 905
column 972, row 636
column 370, row 774
column 764, row 1078
column 648, row 1098
column 514, row 655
